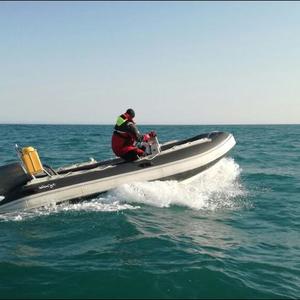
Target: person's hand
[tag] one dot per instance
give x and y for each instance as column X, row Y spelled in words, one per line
column 146, row 137
column 152, row 133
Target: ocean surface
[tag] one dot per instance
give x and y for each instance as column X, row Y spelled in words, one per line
column 233, row 232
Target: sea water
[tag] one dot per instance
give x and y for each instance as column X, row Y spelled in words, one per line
column 231, row 232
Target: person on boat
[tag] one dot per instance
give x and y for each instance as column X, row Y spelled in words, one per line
column 126, row 135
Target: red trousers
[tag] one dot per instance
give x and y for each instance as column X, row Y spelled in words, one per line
column 124, row 147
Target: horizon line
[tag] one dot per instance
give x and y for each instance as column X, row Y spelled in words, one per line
column 153, row 124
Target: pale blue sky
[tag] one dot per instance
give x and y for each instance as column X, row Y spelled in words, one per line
column 173, row 62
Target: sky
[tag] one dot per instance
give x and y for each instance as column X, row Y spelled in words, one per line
column 198, row 62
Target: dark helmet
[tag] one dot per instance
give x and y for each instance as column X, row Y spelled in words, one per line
column 131, row 112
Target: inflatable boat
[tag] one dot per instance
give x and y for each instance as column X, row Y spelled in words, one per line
column 28, row 184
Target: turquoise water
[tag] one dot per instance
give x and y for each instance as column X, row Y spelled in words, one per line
column 233, row 232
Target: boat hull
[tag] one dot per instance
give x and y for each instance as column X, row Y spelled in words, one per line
column 177, row 161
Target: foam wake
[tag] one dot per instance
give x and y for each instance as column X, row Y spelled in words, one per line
column 101, row 204
column 217, row 187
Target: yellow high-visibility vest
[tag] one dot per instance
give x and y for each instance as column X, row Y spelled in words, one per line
column 120, row 121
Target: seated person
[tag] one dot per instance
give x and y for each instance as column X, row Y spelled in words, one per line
column 125, row 135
